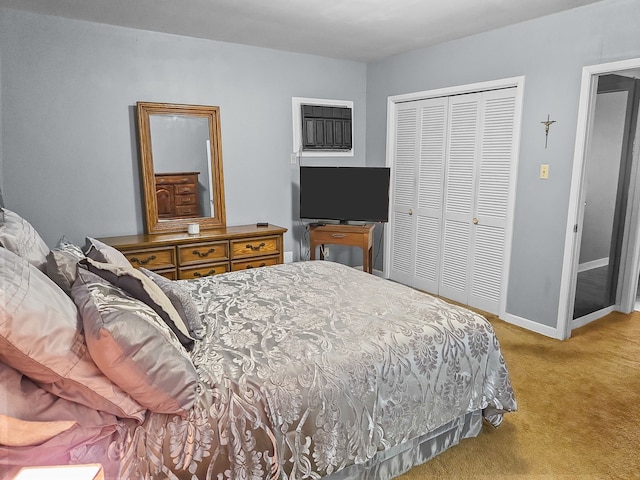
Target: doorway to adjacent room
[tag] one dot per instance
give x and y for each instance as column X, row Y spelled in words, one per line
column 602, row 259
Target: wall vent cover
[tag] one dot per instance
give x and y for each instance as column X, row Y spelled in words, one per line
column 326, row 128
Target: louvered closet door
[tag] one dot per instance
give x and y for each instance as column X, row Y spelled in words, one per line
column 418, row 187
column 476, row 203
column 429, row 193
column 403, row 199
column 494, row 172
column 453, row 163
column 462, row 150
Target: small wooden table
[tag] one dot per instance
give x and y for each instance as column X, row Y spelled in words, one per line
column 352, row 235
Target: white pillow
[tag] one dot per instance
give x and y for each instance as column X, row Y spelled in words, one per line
column 19, row 236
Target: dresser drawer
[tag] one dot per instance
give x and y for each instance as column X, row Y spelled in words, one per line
column 170, row 274
column 185, row 189
column 163, row 179
column 152, row 258
column 199, row 253
column 254, row 263
column 185, row 200
column 254, row 247
column 186, row 210
column 203, row 270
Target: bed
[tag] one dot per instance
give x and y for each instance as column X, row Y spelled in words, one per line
column 295, row 371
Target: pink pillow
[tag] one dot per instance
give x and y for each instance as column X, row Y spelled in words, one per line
column 41, row 336
column 77, row 433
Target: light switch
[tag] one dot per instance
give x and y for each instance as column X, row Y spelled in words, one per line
column 544, row 171
column 294, row 159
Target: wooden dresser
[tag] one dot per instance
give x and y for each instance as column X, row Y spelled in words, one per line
column 219, row 250
column 177, row 194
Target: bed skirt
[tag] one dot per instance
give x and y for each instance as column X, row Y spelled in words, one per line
column 397, row 460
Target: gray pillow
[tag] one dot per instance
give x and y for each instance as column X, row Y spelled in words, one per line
column 183, row 302
column 62, row 264
column 134, row 347
column 101, row 252
column 18, row 236
column 139, row 286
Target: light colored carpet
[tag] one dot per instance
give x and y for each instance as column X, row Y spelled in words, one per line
column 578, row 409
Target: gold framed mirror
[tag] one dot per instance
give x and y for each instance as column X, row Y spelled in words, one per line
column 181, row 162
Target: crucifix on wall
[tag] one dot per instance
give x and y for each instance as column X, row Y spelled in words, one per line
column 547, row 123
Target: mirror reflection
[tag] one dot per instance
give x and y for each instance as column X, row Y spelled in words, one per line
column 180, row 149
column 181, row 163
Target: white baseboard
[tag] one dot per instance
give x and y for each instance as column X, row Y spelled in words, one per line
column 532, row 326
column 551, row 331
column 582, row 321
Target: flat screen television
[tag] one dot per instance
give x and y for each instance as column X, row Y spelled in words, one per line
column 344, row 193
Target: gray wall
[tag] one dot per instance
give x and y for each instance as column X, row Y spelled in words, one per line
column 550, row 52
column 68, row 125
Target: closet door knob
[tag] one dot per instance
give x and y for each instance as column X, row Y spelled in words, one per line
column 411, row 211
column 475, row 221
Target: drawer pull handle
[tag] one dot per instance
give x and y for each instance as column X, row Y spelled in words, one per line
column 253, row 266
column 142, row 262
column 254, row 248
column 198, row 274
column 205, row 254
column 338, row 235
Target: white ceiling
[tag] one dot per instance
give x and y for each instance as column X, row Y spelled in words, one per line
column 361, row 30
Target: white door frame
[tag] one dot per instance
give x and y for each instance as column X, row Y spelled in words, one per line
column 630, row 269
column 392, row 102
column 575, row 216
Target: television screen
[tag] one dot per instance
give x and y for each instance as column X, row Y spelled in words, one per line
column 345, row 193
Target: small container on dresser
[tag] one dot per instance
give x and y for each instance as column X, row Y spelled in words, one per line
column 219, row 250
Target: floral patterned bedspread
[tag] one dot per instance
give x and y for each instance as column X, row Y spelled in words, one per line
column 309, row 367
